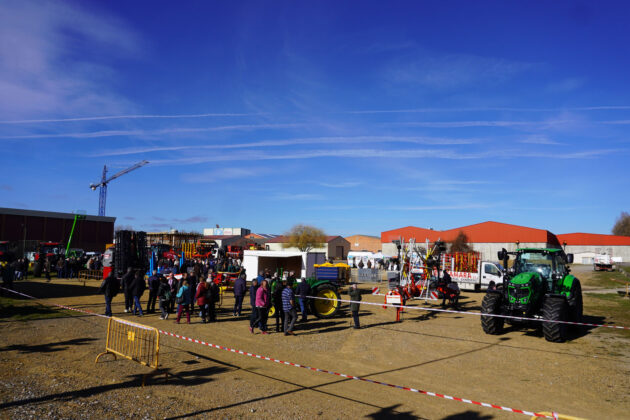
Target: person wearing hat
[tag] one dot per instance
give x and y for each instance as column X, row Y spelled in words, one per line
column 355, row 297
column 288, row 306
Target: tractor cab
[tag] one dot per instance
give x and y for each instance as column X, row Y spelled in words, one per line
column 546, row 265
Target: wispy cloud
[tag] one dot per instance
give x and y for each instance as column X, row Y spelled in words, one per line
column 567, row 85
column 482, row 123
column 383, row 154
column 489, row 108
column 297, row 196
column 162, row 131
column 539, row 139
column 340, row 184
column 438, row 71
column 294, row 142
column 38, row 75
column 209, row 177
column 463, row 206
column 130, row 117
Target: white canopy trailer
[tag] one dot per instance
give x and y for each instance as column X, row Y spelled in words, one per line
column 300, row 262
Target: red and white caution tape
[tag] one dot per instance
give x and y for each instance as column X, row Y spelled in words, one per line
column 375, row 291
column 343, row 375
column 357, row 378
column 450, row 311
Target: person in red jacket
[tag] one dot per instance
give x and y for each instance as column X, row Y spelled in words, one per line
column 202, row 301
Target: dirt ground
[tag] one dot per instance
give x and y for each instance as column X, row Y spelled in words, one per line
column 47, row 367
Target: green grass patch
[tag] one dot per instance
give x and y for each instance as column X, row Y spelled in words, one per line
column 603, row 279
column 613, row 307
column 28, row 310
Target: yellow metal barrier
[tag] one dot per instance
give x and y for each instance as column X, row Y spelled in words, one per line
column 557, row 416
column 136, row 342
column 91, row 274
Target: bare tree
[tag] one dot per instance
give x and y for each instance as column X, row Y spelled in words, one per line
column 622, row 225
column 460, row 243
column 304, row 238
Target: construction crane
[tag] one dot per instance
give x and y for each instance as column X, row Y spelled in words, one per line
column 104, row 181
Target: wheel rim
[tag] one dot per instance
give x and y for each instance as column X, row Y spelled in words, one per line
column 328, row 306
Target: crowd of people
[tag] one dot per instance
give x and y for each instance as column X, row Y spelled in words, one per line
column 197, row 292
column 63, row 267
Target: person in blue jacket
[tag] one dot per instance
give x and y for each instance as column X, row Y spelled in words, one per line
column 183, row 301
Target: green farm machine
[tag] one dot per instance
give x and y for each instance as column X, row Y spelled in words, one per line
column 537, row 286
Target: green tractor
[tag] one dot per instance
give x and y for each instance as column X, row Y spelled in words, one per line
column 327, row 283
column 537, row 286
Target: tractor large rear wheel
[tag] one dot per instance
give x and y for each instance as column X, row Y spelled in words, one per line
column 328, row 304
column 555, row 309
column 491, row 304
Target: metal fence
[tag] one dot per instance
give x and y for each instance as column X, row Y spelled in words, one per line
column 136, row 342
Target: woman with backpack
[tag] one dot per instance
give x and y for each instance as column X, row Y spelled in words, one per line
column 183, row 301
column 164, row 294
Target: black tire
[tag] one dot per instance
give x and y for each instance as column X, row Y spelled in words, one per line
column 325, row 309
column 555, row 309
column 491, row 304
column 575, row 303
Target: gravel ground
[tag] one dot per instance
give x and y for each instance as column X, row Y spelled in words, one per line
column 47, row 368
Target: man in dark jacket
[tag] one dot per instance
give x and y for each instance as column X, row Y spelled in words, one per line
column 109, row 288
column 355, row 296
column 154, row 284
column 303, row 290
column 164, row 294
column 276, row 298
column 126, row 283
column 138, row 288
column 214, row 294
column 240, row 288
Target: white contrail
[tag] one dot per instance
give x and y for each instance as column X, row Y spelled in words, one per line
column 116, row 133
column 490, row 108
column 294, row 142
column 129, row 117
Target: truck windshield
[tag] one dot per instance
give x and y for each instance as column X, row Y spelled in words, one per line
column 534, row 261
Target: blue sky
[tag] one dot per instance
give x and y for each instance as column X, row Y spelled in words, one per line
column 356, row 117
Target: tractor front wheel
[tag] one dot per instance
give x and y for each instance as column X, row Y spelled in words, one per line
column 328, row 304
column 575, row 302
column 555, row 309
column 491, row 304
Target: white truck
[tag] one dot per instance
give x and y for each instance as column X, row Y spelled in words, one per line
column 301, row 263
column 478, row 280
column 603, row 262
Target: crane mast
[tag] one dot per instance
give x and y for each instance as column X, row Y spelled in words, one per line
column 104, row 181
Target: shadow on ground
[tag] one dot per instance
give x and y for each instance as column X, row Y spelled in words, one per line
column 48, row 348
column 188, row 378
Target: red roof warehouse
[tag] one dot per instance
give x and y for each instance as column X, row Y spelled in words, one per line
column 489, row 237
